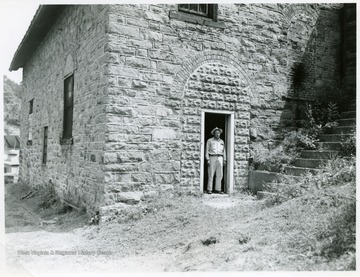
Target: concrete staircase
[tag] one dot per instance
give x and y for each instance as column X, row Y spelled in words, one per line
column 328, row 148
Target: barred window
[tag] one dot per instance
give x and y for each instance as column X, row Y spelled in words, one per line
column 206, row 10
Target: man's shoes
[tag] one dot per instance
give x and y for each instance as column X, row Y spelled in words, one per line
column 219, row 192
column 209, row 192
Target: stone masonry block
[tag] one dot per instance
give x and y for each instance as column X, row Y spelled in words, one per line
column 166, row 178
column 168, row 68
column 122, row 167
column 124, row 30
column 121, row 111
column 130, row 156
column 110, row 158
column 209, row 104
column 138, row 62
column 164, row 133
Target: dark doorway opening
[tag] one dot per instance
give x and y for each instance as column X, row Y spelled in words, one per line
column 213, row 120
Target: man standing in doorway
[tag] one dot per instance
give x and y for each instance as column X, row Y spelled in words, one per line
column 215, row 155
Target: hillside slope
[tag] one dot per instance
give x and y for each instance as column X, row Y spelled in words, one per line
column 175, row 231
column 12, row 106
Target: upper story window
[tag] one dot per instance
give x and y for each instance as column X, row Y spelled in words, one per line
column 31, row 106
column 204, row 14
column 197, row 9
column 45, row 145
column 68, row 106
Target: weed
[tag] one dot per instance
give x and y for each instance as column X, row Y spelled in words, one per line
column 348, row 146
column 271, row 159
column 330, row 195
column 296, row 141
column 335, row 173
column 47, row 195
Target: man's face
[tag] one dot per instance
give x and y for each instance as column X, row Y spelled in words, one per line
column 217, row 134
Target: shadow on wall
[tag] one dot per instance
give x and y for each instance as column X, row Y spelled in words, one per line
column 317, row 65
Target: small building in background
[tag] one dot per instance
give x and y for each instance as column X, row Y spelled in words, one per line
column 11, row 158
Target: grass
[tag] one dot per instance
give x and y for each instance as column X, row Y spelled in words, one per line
column 325, row 204
column 315, row 230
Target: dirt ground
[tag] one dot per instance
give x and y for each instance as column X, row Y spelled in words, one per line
column 186, row 233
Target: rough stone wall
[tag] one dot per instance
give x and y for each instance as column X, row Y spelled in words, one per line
column 139, row 91
column 349, row 44
column 313, row 35
column 75, row 169
column 154, row 112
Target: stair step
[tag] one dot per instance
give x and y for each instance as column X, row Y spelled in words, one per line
column 298, row 171
column 343, row 130
column 318, row 154
column 257, row 178
column 309, row 163
column 347, row 122
column 350, row 114
column 333, row 137
column 334, row 146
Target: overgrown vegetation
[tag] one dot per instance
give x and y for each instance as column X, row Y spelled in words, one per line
column 47, row 198
column 47, row 195
column 272, row 159
column 316, row 118
column 331, row 196
column 348, row 146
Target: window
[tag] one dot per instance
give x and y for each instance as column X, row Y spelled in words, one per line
column 31, row 106
column 68, row 106
column 206, row 10
column 44, row 157
column 31, row 109
column 202, row 14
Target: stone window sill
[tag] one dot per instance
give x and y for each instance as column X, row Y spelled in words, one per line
column 196, row 19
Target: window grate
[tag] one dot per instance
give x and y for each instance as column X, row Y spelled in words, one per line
column 197, row 9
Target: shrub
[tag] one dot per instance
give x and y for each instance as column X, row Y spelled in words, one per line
column 295, row 141
column 271, row 159
column 319, row 115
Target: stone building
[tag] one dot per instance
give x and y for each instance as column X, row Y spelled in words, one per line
column 119, row 99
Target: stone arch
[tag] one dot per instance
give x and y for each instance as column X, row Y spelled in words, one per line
column 292, row 10
column 210, row 56
column 212, row 81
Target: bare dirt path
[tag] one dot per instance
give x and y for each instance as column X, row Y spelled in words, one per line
column 70, row 245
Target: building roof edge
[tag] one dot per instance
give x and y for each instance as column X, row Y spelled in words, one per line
column 41, row 23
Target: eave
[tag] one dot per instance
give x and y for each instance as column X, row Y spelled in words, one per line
column 43, row 20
